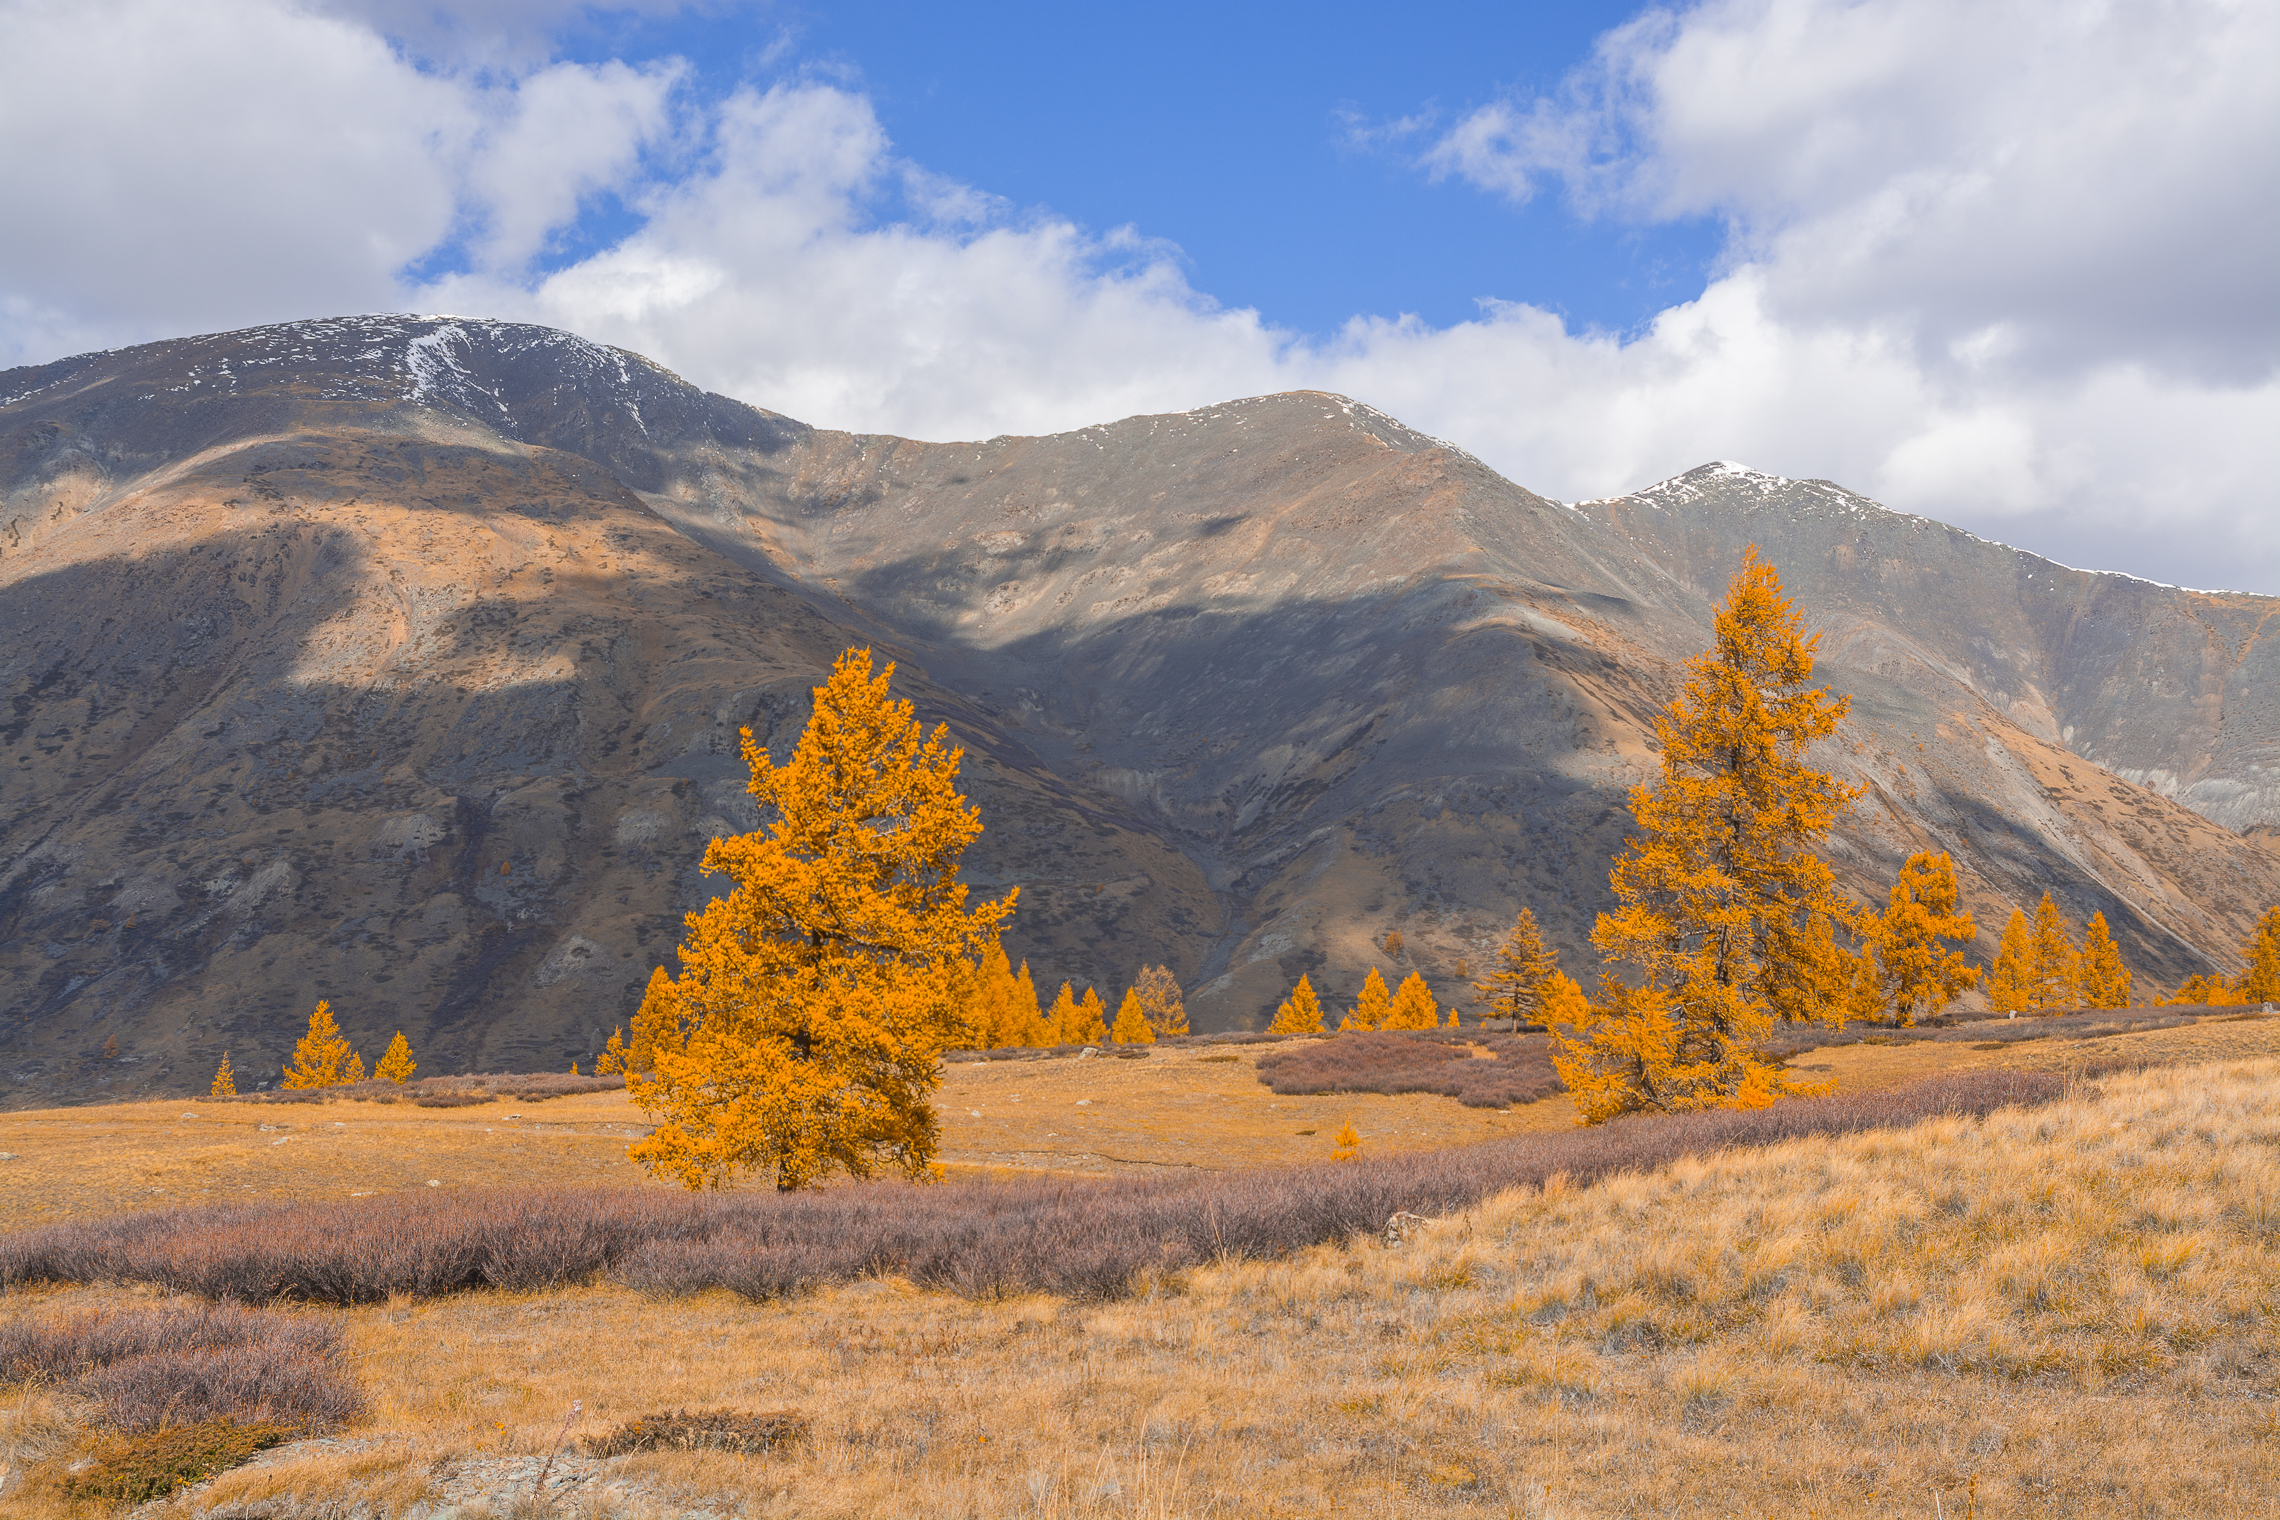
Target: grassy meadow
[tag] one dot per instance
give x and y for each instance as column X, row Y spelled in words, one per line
column 2065, row 1309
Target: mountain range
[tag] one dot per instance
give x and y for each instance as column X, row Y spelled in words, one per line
column 400, row 661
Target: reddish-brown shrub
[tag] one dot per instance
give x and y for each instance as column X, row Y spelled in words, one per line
column 442, row 1092
column 1068, row 1235
column 177, row 1366
column 1390, row 1061
column 2089, row 1024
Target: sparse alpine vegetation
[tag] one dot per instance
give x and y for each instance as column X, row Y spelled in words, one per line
column 1090, row 1238
column 2011, row 1313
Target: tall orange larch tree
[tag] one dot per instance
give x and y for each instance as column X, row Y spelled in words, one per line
column 1412, row 1006
column 656, row 1020
column 396, row 1064
column 1061, row 1018
column 1520, row 988
column 1371, row 1006
column 1089, row 1024
column 323, row 1057
column 2052, row 961
column 995, row 1017
column 1033, row 1027
column 2010, row 981
column 2260, row 982
column 1131, row 1026
column 1722, row 905
column 1916, row 974
column 1301, row 1012
column 2105, row 980
column 804, row 1034
column 1161, row 1003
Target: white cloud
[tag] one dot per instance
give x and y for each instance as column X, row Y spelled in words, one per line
column 187, row 168
column 565, row 132
column 769, row 277
column 1907, row 311
column 208, row 165
column 2088, row 175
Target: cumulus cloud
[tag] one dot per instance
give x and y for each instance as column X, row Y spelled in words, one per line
column 208, row 165
column 560, row 135
column 2031, row 188
column 773, row 276
column 1969, row 272
column 184, row 168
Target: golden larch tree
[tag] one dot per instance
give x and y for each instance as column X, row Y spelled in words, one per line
column 1916, row 973
column 1061, row 1018
column 1033, row 1027
column 1161, row 1003
column 804, row 1034
column 1393, row 944
column 225, row 1080
column 2010, row 982
column 1089, row 1024
column 1345, row 1145
column 2051, row 961
column 654, row 1019
column 2105, row 980
column 323, row 1058
column 1521, row 985
column 1564, row 1003
column 2199, row 990
column 1131, row 1026
column 1723, row 908
column 1412, row 1006
column 1370, row 1008
column 396, row 1062
column 2260, row 983
column 994, row 1017
column 1301, row 1012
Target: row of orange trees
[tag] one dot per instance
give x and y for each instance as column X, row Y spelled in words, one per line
column 1002, row 1011
column 324, row 1058
column 804, row 1034
column 1728, row 921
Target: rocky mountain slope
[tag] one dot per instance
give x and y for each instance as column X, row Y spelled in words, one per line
column 399, row 661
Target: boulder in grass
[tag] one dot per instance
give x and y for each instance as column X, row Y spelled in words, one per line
column 1403, row 1226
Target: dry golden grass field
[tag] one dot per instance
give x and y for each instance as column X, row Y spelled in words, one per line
column 2066, row 1311
column 1197, row 1106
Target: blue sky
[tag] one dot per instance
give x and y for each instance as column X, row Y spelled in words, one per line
column 1230, row 131
column 2013, row 267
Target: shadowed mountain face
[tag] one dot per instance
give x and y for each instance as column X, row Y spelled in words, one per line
column 400, row 661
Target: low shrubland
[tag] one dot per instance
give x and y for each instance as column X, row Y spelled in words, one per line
column 1990, row 1032
column 1084, row 1237
column 177, row 1393
column 1518, row 1068
column 183, row 1365
column 438, row 1092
